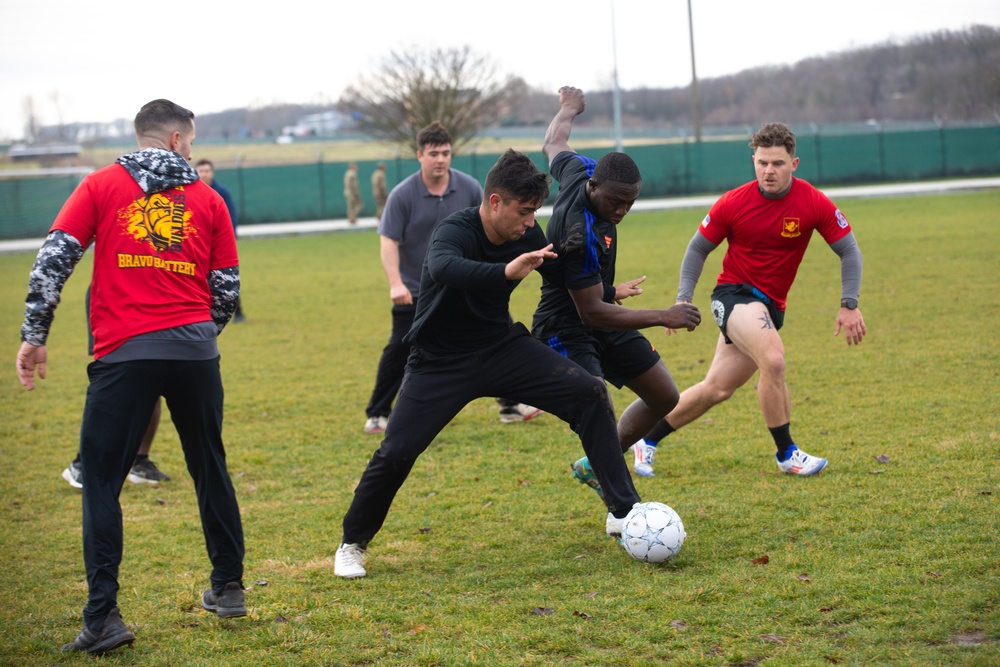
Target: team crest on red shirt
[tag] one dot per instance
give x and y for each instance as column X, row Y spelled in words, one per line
column 790, row 228
column 160, row 219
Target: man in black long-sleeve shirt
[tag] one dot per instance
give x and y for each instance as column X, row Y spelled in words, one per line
column 465, row 346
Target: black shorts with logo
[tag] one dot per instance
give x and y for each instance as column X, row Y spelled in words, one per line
column 617, row 356
column 724, row 297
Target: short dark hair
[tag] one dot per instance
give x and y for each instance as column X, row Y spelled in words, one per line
column 204, row 161
column 515, row 176
column 774, row 134
column 434, row 134
column 161, row 117
column 616, row 168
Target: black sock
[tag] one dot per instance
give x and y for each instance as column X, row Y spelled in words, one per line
column 139, row 458
column 782, row 440
column 659, row 431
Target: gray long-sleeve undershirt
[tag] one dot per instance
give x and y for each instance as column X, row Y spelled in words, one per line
column 699, row 248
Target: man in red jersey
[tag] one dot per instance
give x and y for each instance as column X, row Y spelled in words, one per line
column 767, row 224
column 166, row 280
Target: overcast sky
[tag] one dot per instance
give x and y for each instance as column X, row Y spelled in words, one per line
column 100, row 61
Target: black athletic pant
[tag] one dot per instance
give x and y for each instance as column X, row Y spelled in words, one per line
column 436, row 387
column 119, row 403
column 392, row 364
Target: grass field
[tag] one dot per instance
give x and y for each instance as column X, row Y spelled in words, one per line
column 492, row 554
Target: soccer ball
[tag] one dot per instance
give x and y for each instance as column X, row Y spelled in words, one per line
column 652, row 532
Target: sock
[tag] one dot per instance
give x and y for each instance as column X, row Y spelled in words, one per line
column 659, row 431
column 139, row 458
column 783, row 441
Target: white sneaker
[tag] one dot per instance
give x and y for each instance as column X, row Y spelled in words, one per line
column 613, row 527
column 518, row 412
column 800, row 463
column 376, row 425
column 349, row 562
column 644, row 454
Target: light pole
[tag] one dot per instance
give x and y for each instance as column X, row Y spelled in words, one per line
column 616, row 93
column 695, row 100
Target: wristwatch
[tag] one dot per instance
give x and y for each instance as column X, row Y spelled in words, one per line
column 850, row 304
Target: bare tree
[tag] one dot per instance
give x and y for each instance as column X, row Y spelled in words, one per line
column 457, row 87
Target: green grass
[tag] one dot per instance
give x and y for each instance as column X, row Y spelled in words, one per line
column 871, row 563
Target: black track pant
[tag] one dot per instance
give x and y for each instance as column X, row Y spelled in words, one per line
column 436, row 387
column 119, row 403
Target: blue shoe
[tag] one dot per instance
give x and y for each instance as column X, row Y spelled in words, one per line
column 583, row 473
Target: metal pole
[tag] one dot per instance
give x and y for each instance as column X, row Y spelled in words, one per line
column 695, row 98
column 617, row 96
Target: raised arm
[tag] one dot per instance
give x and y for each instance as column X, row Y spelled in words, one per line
column 597, row 313
column 571, row 105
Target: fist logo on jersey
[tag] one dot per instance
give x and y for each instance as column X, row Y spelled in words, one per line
column 159, row 219
column 790, row 228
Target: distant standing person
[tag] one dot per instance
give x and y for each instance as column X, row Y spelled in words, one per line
column 413, row 210
column 465, row 346
column 206, row 171
column 352, row 193
column 379, row 189
column 767, row 224
column 165, row 281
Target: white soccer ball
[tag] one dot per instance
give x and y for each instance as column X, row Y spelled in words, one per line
column 652, row 532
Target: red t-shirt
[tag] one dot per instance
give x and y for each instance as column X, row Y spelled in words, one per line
column 768, row 237
column 152, row 253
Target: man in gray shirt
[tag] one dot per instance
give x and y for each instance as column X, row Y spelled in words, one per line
column 413, row 210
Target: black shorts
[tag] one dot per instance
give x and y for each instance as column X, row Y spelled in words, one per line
column 617, row 356
column 724, row 297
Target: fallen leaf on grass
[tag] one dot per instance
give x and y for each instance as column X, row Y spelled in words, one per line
column 488, row 505
column 579, row 556
column 763, row 560
column 582, row 614
column 419, row 627
column 876, row 472
column 161, row 501
column 278, row 618
column 934, row 574
column 804, row 577
column 882, row 458
column 260, row 582
column 542, row 611
column 678, row 625
column 524, row 482
column 826, row 609
column 425, row 530
column 773, row 638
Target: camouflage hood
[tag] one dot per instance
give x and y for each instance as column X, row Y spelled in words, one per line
column 157, row 169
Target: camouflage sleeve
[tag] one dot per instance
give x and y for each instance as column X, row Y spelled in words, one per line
column 225, row 287
column 56, row 260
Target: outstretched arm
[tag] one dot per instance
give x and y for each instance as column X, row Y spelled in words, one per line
column 597, row 313
column 571, row 105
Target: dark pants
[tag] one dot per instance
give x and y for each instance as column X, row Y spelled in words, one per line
column 119, row 403
column 436, row 387
column 392, row 364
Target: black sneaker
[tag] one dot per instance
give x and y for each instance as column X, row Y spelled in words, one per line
column 227, row 602
column 111, row 635
column 146, row 472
